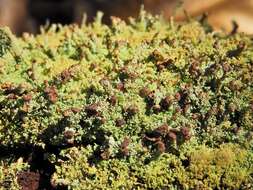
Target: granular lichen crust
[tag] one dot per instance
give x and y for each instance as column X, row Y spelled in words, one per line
column 147, row 104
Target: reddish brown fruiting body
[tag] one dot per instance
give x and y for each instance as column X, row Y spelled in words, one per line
column 27, row 97
column 68, row 112
column 144, row 92
column 194, row 68
column 69, row 134
column 121, row 87
column 92, row 110
column 131, row 110
column 162, row 130
column 166, row 102
column 172, row 135
column 178, row 96
column 156, row 108
column 124, row 146
column 28, row 180
column 105, row 155
column 113, row 100
column 160, row 146
column 185, row 131
column 120, row 122
column 51, row 93
column 12, row 96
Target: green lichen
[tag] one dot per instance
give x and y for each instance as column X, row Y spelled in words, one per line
column 144, row 104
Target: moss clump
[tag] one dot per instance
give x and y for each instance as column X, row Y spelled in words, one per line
column 147, row 104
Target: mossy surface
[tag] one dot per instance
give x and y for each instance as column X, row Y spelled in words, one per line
column 147, row 104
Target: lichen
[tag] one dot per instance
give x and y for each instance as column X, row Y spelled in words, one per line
column 143, row 104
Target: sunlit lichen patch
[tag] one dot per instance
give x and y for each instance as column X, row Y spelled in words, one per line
column 144, row 104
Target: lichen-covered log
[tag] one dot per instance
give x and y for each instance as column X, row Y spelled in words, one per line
column 147, row 104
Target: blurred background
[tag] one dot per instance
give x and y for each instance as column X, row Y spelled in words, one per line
column 27, row 15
